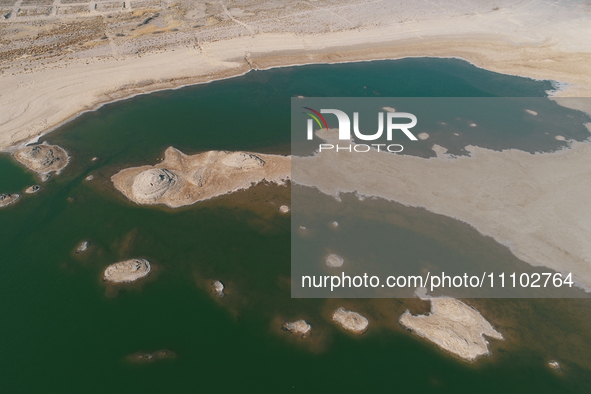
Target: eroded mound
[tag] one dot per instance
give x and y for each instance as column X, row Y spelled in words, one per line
column 127, row 271
column 43, row 159
column 151, row 184
column 243, row 160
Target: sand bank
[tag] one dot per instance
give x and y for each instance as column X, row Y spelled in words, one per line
column 43, row 88
column 454, row 327
column 181, row 180
column 535, row 204
column 127, row 271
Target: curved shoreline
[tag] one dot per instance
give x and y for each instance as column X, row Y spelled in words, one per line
column 86, row 85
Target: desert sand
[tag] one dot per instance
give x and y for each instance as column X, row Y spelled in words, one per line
column 454, row 327
column 81, row 58
column 181, row 180
column 350, row 321
column 127, row 271
column 535, row 204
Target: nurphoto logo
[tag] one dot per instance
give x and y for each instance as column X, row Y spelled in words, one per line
column 344, row 122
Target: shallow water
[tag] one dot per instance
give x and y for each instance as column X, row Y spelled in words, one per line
column 64, row 331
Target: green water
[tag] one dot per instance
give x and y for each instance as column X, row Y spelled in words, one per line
column 64, row 331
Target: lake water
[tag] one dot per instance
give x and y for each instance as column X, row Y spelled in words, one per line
column 64, row 331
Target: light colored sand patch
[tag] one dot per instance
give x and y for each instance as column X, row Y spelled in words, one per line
column 181, row 180
column 423, row 136
column 560, row 138
column 284, row 209
column 531, row 112
column 454, row 327
column 82, row 246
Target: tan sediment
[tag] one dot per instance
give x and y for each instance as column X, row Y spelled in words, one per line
column 42, row 88
column 535, row 204
column 127, row 271
column 350, row 321
column 454, row 327
column 181, row 180
column 43, row 159
column 8, row 199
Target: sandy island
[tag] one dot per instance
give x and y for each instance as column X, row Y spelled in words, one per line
column 127, row 271
column 181, row 180
column 8, row 199
column 454, row 327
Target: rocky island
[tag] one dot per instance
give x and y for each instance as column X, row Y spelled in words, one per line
column 181, row 180
column 350, row 321
column 8, row 199
column 301, row 327
column 127, row 271
column 453, row 326
column 43, row 159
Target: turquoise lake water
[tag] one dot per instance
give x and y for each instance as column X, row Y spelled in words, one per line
column 64, row 331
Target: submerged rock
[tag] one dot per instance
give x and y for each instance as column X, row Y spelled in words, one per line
column 89, row 178
column 8, row 199
column 82, row 247
column 218, row 289
column 127, row 271
column 298, row 327
column 145, row 357
column 350, row 321
column 453, row 326
column 43, row 159
column 555, row 365
column 284, row 209
column 32, row 189
column 334, row 261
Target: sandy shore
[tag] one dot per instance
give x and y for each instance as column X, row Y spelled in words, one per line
column 41, row 88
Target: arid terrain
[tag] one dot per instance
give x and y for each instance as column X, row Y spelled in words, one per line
column 59, row 58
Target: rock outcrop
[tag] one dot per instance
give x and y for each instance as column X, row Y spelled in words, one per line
column 181, row 180
column 350, row 321
column 218, row 289
column 454, row 327
column 127, row 271
column 8, row 199
column 300, row 327
column 43, row 159
column 334, row 261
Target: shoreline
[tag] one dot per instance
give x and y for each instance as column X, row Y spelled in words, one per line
column 27, row 127
column 173, row 87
